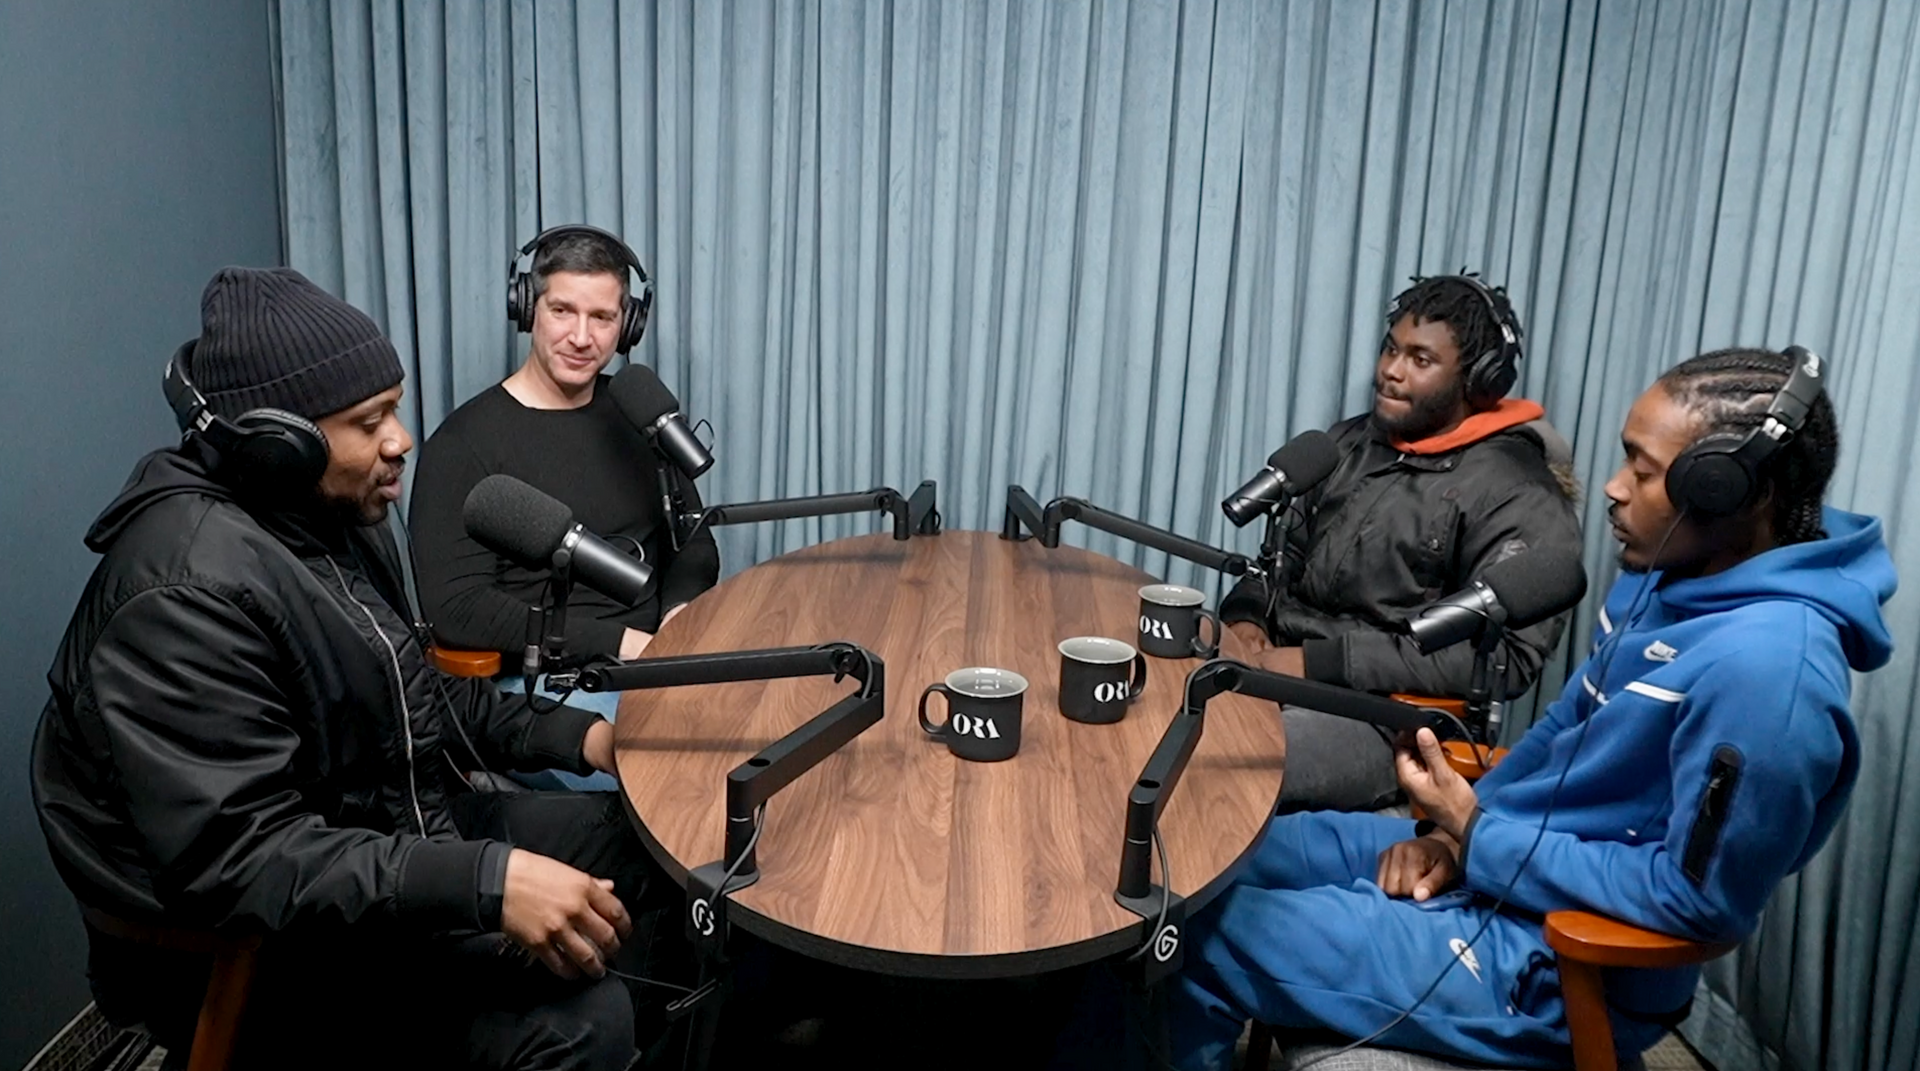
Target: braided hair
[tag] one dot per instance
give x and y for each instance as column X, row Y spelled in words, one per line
column 1729, row 391
column 1454, row 302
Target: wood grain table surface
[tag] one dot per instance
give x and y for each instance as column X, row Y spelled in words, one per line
column 893, row 855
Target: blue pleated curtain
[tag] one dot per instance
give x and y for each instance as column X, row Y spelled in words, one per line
column 1121, row 250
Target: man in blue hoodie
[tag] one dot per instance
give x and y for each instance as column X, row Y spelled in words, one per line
column 1703, row 753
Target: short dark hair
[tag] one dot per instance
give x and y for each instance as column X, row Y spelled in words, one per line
column 1457, row 303
column 1730, row 391
column 586, row 254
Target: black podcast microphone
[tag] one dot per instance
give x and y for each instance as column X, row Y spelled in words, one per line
column 515, row 520
column 1292, row 470
column 1513, row 593
column 651, row 407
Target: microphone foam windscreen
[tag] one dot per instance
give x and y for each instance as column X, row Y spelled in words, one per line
column 1535, row 585
column 641, row 396
column 514, row 519
column 1308, row 458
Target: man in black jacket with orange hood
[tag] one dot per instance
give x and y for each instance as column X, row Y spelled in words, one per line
column 1445, row 477
column 245, row 734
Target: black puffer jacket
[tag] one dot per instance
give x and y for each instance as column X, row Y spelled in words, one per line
column 244, row 727
column 1388, row 533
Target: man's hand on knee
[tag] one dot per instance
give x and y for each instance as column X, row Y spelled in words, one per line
column 1420, row 868
column 569, row 919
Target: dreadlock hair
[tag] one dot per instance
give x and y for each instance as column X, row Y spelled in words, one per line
column 1729, row 391
column 1455, row 302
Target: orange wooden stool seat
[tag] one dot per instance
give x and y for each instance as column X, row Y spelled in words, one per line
column 1585, row 943
column 1455, row 707
column 458, row 663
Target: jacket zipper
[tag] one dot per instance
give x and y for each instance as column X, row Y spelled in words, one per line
column 399, row 691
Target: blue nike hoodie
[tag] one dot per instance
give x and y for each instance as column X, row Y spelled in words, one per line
column 1706, row 745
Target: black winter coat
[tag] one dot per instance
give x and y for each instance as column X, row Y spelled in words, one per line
column 1387, row 533
column 244, row 728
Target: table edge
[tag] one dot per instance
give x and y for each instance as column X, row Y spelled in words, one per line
column 939, row 965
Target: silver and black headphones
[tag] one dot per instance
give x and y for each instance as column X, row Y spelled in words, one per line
column 261, row 450
column 1719, row 475
column 520, row 296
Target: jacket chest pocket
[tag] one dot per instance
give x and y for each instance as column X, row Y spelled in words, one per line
column 1429, row 554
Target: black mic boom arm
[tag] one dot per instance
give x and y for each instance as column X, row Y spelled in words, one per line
column 752, row 783
column 1135, row 890
column 923, row 509
column 880, row 499
column 1023, row 511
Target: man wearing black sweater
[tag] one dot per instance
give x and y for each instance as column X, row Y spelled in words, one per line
column 554, row 424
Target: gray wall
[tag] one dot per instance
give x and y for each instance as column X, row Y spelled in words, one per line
column 136, row 156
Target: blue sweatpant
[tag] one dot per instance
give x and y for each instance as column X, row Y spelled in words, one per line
column 1304, row 938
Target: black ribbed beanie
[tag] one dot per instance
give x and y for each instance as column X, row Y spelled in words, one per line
column 271, row 339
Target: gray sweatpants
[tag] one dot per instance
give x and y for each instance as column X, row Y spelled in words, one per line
column 1335, row 764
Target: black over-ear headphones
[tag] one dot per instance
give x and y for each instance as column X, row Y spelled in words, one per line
column 1489, row 375
column 520, row 295
column 1719, row 474
column 261, row 450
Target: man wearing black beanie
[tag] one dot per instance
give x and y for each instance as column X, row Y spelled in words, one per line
column 245, row 735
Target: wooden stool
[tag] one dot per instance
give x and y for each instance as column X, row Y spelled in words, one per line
column 1455, row 707
column 229, row 984
column 458, row 663
column 1586, row 942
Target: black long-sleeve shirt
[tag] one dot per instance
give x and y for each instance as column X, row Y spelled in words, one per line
column 590, row 458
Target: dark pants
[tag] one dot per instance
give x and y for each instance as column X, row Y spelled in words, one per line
column 370, row 996
column 1335, row 764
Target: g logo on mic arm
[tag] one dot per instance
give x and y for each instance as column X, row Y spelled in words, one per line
column 1166, row 943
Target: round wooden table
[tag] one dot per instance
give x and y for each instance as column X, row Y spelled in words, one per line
column 893, row 855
